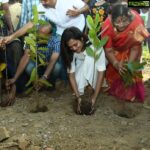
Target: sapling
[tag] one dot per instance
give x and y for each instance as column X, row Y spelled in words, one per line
column 95, row 49
column 33, row 42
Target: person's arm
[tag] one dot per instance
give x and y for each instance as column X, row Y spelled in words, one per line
column 7, row 17
column 74, row 84
column 86, row 1
column 75, row 12
column 51, row 64
column 134, row 53
column 75, row 89
column 17, row 34
column 21, row 67
column 118, row 65
column 98, row 86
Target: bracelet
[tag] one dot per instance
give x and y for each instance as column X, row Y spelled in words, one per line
column 44, row 77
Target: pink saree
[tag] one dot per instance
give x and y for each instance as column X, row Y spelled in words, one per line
column 122, row 43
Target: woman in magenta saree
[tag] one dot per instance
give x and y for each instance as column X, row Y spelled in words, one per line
column 125, row 32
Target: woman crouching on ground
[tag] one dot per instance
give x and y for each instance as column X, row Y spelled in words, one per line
column 80, row 66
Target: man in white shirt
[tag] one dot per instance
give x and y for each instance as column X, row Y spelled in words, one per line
column 62, row 13
column 65, row 13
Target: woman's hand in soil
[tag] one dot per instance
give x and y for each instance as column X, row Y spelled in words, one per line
column 120, row 67
column 92, row 101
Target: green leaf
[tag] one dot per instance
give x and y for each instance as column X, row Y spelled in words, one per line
column 42, row 48
column 43, row 36
column 33, row 49
column 41, row 60
column 90, row 22
column 98, row 55
column 28, row 91
column 29, row 41
column 32, row 36
column 45, row 82
column 35, row 14
column 42, row 42
column 90, row 51
column 96, row 20
column 96, row 42
column 42, row 22
column 102, row 42
column 32, row 77
column 135, row 66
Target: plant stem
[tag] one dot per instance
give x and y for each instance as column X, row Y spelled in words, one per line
column 94, row 67
column 36, row 68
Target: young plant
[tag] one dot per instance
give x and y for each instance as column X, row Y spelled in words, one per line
column 33, row 41
column 133, row 71
column 95, row 49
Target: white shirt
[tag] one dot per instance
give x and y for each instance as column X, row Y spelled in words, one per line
column 83, row 67
column 59, row 17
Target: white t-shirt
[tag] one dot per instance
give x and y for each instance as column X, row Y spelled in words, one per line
column 83, row 67
column 59, row 17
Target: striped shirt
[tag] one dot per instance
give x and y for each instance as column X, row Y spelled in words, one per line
column 53, row 47
column 26, row 12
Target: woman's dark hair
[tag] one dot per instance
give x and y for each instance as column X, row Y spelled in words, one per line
column 120, row 10
column 66, row 53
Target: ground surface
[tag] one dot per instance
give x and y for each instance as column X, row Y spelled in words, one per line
column 61, row 129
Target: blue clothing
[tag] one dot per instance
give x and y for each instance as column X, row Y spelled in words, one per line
column 58, row 70
column 26, row 11
column 53, row 47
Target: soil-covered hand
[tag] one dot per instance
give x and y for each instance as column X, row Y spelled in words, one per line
column 9, row 83
column 11, row 95
column 38, row 86
column 78, row 105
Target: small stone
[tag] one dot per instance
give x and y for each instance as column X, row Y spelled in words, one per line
column 45, row 136
column 25, row 124
column 23, row 142
column 70, row 136
column 143, row 140
column 3, row 134
column 12, row 120
column 131, row 124
column 124, row 123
